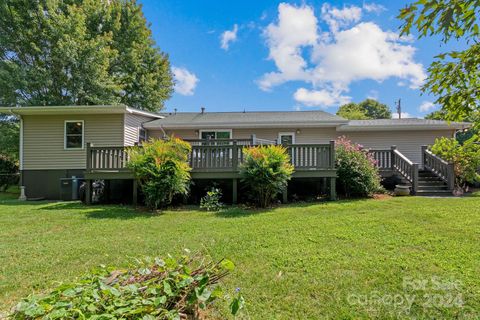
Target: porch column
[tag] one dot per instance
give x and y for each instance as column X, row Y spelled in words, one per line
column 234, row 191
column 333, row 191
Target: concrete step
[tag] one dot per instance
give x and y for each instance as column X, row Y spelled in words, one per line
column 430, row 179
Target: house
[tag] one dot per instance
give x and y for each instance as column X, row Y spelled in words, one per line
column 89, row 142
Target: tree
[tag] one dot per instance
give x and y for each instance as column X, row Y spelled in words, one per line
column 9, row 137
column 461, row 136
column 80, row 52
column 367, row 109
column 454, row 77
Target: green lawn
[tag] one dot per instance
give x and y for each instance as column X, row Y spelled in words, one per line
column 343, row 259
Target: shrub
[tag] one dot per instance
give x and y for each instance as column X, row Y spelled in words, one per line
column 357, row 174
column 8, row 172
column 161, row 169
column 266, row 170
column 150, row 289
column 465, row 158
column 211, row 201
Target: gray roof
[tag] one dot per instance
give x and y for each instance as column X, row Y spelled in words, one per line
column 246, row 119
column 402, row 124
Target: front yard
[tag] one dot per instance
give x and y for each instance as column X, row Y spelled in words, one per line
column 406, row 257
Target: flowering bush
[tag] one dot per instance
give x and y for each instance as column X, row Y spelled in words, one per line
column 162, row 170
column 266, row 170
column 356, row 170
column 150, row 289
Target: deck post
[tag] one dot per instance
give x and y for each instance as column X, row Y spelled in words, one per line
column 392, row 157
column 135, row 193
column 332, row 154
column 451, row 176
column 424, row 148
column 333, row 188
column 234, row 155
column 285, row 195
column 89, row 157
column 234, row 191
column 414, row 178
column 88, row 192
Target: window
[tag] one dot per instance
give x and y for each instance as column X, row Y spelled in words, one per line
column 142, row 135
column 285, row 138
column 215, row 134
column 74, row 134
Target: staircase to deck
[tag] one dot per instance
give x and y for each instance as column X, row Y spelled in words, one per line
column 432, row 177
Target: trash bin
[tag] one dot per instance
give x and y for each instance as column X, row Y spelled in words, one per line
column 69, row 188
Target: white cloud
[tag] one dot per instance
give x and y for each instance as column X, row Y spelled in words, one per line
column 338, row 57
column 426, row 106
column 296, row 28
column 337, row 18
column 185, row 81
column 322, row 97
column 404, row 115
column 227, row 37
column 373, row 94
column 373, row 7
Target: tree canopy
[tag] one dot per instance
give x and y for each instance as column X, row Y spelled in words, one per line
column 367, row 109
column 80, row 52
column 453, row 77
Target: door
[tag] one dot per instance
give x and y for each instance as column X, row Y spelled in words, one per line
column 285, row 138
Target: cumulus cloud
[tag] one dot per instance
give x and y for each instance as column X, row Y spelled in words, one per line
column 228, row 37
column 426, row 106
column 350, row 50
column 296, row 28
column 321, row 97
column 185, row 81
column 404, row 115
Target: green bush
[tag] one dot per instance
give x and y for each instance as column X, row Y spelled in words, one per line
column 266, row 170
column 211, row 201
column 465, row 158
column 161, row 169
column 8, row 172
column 356, row 170
column 150, row 289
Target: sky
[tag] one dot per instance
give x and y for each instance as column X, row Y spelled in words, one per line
column 293, row 55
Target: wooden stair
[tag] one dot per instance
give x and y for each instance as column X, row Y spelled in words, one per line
column 429, row 184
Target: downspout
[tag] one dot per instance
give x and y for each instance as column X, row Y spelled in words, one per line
column 164, row 133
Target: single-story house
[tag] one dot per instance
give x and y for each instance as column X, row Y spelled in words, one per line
column 89, row 141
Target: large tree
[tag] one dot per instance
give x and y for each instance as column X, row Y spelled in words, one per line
column 367, row 109
column 80, row 52
column 453, row 77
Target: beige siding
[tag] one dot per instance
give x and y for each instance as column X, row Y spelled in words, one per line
column 133, row 123
column 306, row 135
column 408, row 142
column 44, row 139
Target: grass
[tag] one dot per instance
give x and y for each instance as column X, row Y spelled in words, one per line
column 299, row 261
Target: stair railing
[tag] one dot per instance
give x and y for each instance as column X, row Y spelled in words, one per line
column 405, row 167
column 439, row 167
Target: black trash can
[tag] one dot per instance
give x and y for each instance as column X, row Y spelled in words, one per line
column 69, row 188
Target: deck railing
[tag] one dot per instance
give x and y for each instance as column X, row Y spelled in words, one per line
column 393, row 160
column 439, row 167
column 217, row 155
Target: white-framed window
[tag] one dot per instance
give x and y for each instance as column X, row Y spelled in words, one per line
column 213, row 134
column 74, row 134
column 142, row 135
column 286, row 138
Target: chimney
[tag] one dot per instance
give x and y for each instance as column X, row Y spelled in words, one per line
column 175, row 111
column 203, row 110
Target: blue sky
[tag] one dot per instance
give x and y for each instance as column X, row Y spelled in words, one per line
column 290, row 55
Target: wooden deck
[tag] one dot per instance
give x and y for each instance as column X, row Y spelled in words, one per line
column 218, row 159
